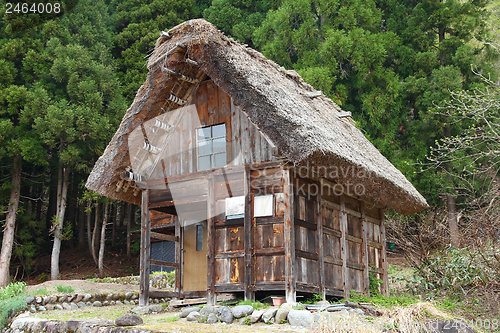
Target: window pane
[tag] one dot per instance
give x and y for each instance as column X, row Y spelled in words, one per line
column 263, row 205
column 219, row 160
column 204, row 163
column 219, row 145
column 219, row 130
column 199, row 237
column 204, row 133
column 204, row 147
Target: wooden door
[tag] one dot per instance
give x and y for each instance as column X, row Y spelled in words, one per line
column 195, row 257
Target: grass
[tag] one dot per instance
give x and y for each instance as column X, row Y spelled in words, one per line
column 170, row 319
column 64, row 289
column 386, row 302
column 255, row 304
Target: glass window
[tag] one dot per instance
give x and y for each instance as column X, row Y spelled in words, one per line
column 211, row 142
column 263, row 205
column 199, row 237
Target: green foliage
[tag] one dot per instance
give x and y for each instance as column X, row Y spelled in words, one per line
column 64, row 289
column 11, row 306
column 313, row 299
column 299, row 306
column 375, row 283
column 455, row 270
column 12, row 289
column 247, row 321
column 257, row 305
column 388, row 302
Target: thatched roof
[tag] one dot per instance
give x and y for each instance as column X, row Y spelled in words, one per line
column 306, row 128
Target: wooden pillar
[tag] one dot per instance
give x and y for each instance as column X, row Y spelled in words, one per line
column 321, row 261
column 211, row 294
column 178, row 256
column 289, row 235
column 385, row 278
column 364, row 257
column 343, row 246
column 248, row 244
column 145, row 250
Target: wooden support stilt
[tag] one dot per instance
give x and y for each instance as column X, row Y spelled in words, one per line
column 289, row 235
column 248, row 231
column 211, row 295
column 343, row 246
column 364, row 256
column 321, row 260
column 385, row 278
column 145, row 250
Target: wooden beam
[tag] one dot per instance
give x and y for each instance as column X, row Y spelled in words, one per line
column 178, row 256
column 289, row 236
column 385, row 278
column 248, row 244
column 319, row 248
column 165, row 237
column 163, row 263
column 211, row 243
column 364, row 253
column 145, row 250
column 343, row 246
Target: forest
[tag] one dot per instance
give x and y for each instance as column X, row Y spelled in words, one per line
column 420, row 78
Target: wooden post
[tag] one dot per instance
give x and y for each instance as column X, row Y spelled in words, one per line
column 385, row 278
column 343, row 246
column 248, row 221
column 289, row 235
column 364, row 257
column 321, row 261
column 178, row 255
column 211, row 295
column 181, row 259
column 145, row 250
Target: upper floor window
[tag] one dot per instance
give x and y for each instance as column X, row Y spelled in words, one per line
column 211, row 142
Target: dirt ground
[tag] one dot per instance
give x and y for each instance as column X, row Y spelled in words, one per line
column 82, row 286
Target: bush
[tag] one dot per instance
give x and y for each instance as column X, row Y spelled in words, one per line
column 64, row 289
column 11, row 306
column 12, row 289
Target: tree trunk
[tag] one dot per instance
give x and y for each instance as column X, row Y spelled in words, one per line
column 81, row 226
column 115, row 218
column 100, row 266
column 10, row 222
column 62, row 194
column 94, row 234
column 452, row 220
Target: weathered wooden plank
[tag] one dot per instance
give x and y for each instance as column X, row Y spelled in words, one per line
column 354, row 239
column 229, row 287
column 373, row 220
column 231, row 223
column 163, row 263
column 305, row 224
column 272, row 251
column 374, row 244
column 364, row 253
column 235, row 135
column 289, row 237
column 343, row 246
column 268, row 220
column 211, row 295
column 333, row 261
column 319, row 248
column 385, row 278
column 307, row 255
column 334, row 292
column 335, row 233
column 355, row 265
column 307, row 288
column 165, row 237
column 178, row 256
column 145, row 250
column 248, row 268
column 269, row 285
column 230, row 255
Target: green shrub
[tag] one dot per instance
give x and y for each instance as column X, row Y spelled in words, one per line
column 255, row 304
column 388, row 302
column 11, row 306
column 64, row 289
column 12, row 289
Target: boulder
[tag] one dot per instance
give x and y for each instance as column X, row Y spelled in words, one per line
column 129, row 320
column 142, row 310
column 212, row 318
column 193, row 316
column 282, row 313
column 97, row 304
column 86, row 298
column 30, row 299
column 58, row 307
column 300, row 318
column 73, row 306
column 269, row 314
column 208, row 309
column 226, row 315
column 66, row 306
column 256, row 315
column 81, row 305
column 187, row 311
column 241, row 311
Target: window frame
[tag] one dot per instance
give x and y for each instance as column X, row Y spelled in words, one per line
column 210, row 140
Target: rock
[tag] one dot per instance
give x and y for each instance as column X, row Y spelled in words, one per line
column 58, row 307
column 119, row 303
column 270, row 313
column 128, row 295
column 70, row 298
column 97, row 304
column 73, row 306
column 71, row 326
column 212, row 318
column 79, row 298
column 256, row 315
column 121, row 295
column 86, row 298
column 358, row 311
column 226, row 315
column 241, row 311
column 156, row 301
column 30, row 300
column 105, row 303
column 42, row 308
column 193, row 316
column 208, row 309
column 126, row 302
column 447, row 326
column 46, row 300
column 49, row 307
column 39, row 300
column 81, row 305
column 129, row 320
column 324, row 319
column 187, row 311
column 135, row 295
column 66, row 306
column 88, row 303
column 109, row 296
column 32, row 308
column 282, row 313
column 300, row 318
column 132, row 302
column 143, row 310
column 105, row 322
column 112, row 303
column 62, row 299
column 323, row 303
column 53, row 299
